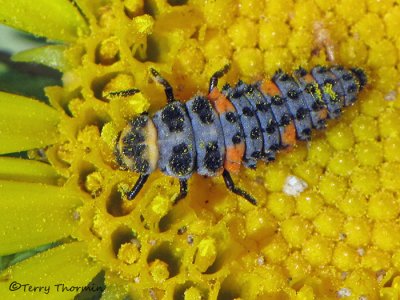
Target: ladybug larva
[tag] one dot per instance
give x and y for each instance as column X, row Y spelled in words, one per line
column 217, row 133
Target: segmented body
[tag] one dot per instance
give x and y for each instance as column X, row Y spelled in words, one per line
column 238, row 125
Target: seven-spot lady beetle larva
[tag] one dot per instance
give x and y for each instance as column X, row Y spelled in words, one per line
column 215, row 134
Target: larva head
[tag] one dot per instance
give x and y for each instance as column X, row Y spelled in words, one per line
column 360, row 76
column 137, row 145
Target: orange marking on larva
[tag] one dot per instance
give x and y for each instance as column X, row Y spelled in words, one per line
column 233, row 158
column 289, row 135
column 219, row 101
column 323, row 113
column 269, row 88
column 309, row 78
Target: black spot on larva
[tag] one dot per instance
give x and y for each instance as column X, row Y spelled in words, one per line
column 277, row 100
column 347, row 77
column 255, row 133
column 256, row 154
column 138, row 150
column 293, row 94
column 127, row 151
column 230, row 117
column 212, row 159
column 352, row 88
column 204, row 110
column 322, row 70
column 271, row 127
column 262, row 106
column 141, row 165
column 310, row 88
column 284, row 77
column 285, row 120
column 247, row 111
column 307, row 132
column 133, row 137
column 181, row 160
column 329, row 81
column 339, row 68
column 236, row 139
column 316, row 106
column 301, row 113
column 302, row 72
column 139, row 122
column 274, row 147
column 173, row 118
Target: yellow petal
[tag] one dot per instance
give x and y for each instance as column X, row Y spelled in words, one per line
column 54, row 19
column 27, row 170
column 33, row 214
column 25, row 123
column 51, row 56
column 66, row 265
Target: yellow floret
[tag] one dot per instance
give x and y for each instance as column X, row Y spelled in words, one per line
column 217, row 44
column 370, row 28
column 369, row 153
column 273, row 33
column 376, row 260
column 309, row 172
column 365, row 128
column 128, row 253
column 353, row 204
column 329, row 223
column 362, row 283
column 276, row 251
column 357, row 232
column 259, row 224
column 351, row 10
column 193, row 293
column 159, row 271
column 206, row 254
column 340, row 137
column 332, row 187
column 390, row 176
column 365, row 180
column 382, row 53
column 391, row 149
column 309, row 204
column 219, row 13
column 280, row 205
column 383, row 206
column 296, row 231
column 320, row 152
column 298, row 267
column 251, row 8
column 342, row 163
column 386, row 235
column 317, row 250
column 243, row 33
column 249, row 62
column 345, row 257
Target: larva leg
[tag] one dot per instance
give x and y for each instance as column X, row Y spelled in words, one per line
column 123, row 93
column 138, row 186
column 183, row 190
column 216, row 76
column 167, row 87
column 231, row 186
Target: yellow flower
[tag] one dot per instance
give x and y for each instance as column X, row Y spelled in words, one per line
column 339, row 238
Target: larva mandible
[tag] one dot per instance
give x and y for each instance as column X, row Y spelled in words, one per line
column 215, row 134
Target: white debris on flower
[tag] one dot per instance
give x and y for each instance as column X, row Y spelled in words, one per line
column 344, row 292
column 361, row 251
column 294, row 186
column 391, row 96
column 260, row 260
